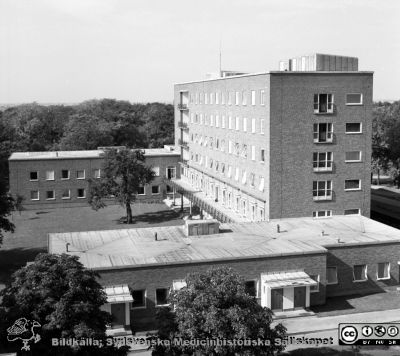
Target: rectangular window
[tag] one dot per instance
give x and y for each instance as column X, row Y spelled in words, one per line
column 253, row 153
column 223, row 122
column 245, row 124
column 262, row 126
column 252, row 180
column 352, row 184
column 383, row 271
column 229, row 171
column 217, row 94
column 50, row 195
column 253, row 97
column 65, row 174
column 237, row 126
column 49, row 175
column 360, row 273
column 97, row 173
column 230, row 95
column 322, row 161
column 216, row 120
column 211, row 120
column 171, row 172
column 262, row 155
column 211, row 98
column 322, row 214
column 162, row 296
column 331, row 275
column 354, row 99
column 353, row 156
column 81, row 193
column 139, row 298
column 322, row 190
column 243, row 153
column 244, row 98
column 323, row 133
column 261, row 186
column 230, row 145
column 244, row 177
column 155, row 189
column 141, row 191
column 33, row 176
column 253, row 125
column 230, row 122
column 352, row 212
column 262, row 97
column 66, row 194
column 80, row 174
column 250, row 288
column 156, row 171
column 353, row 128
column 34, row 195
column 237, row 174
column 314, row 289
column 222, row 98
column 323, row 103
column 237, row 99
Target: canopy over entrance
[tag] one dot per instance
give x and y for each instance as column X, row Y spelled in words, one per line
column 118, row 294
column 288, row 279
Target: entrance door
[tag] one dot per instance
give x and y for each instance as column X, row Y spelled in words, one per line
column 300, row 297
column 277, row 299
column 118, row 313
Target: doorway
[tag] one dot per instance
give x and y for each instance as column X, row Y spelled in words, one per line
column 299, row 297
column 118, row 313
column 277, row 299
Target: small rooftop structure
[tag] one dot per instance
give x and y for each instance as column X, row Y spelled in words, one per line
column 297, row 236
column 53, row 155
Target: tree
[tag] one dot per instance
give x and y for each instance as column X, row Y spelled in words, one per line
column 393, row 147
column 62, row 296
column 7, row 205
column 124, row 173
column 215, row 305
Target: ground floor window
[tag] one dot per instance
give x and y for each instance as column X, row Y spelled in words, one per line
column 162, row 296
column 331, row 275
column 359, row 273
column 50, row 195
column 141, row 191
column 383, row 270
column 34, row 195
column 139, row 298
column 81, row 193
column 155, row 189
column 352, row 212
column 169, row 189
column 322, row 214
column 66, row 194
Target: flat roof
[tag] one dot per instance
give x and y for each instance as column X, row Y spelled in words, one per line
column 51, row 155
column 130, row 248
column 278, row 72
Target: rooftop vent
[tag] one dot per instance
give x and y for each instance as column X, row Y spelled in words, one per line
column 201, row 227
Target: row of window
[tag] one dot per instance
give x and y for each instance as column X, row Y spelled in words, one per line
column 228, row 170
column 323, row 161
column 322, row 190
column 323, row 103
column 81, row 193
column 360, row 273
column 65, row 174
column 328, row 213
column 162, row 294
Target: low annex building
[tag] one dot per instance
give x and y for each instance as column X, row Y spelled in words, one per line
column 294, row 265
column 60, row 178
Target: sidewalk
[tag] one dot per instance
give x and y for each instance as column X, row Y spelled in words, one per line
column 315, row 324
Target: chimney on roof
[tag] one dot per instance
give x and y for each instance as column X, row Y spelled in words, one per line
column 67, row 246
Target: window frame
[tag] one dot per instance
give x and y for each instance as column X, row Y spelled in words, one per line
column 156, row 300
column 37, row 176
column 64, row 197
column 94, row 173
column 327, row 214
column 54, row 194
column 352, row 160
column 387, row 269
column 336, row 274
column 329, row 134
column 355, row 104
column 358, row 214
column 144, row 306
column 326, row 196
column 318, row 282
column 38, row 195
column 158, row 190
column 329, row 104
column 352, row 189
column 328, row 167
column 255, row 281
column 355, row 132
column 54, row 175
column 144, row 191
column 365, row 274
column 77, row 193
column 84, row 174
column 69, row 174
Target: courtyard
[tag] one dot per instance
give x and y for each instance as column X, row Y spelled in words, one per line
column 32, row 227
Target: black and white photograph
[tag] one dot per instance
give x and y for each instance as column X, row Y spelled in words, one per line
column 199, row 178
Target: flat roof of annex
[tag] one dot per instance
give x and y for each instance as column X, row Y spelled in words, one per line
column 277, row 73
column 83, row 154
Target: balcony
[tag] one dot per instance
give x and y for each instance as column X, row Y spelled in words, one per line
column 183, row 107
column 183, row 143
column 183, row 126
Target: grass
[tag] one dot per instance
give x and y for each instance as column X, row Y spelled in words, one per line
column 32, row 227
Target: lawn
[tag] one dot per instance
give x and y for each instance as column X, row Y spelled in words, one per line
column 32, row 227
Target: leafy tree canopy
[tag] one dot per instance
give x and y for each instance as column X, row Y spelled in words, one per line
column 213, row 305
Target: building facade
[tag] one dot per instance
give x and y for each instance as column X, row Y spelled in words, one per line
column 279, row 144
column 61, row 179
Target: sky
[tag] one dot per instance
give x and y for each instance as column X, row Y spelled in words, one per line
column 68, row 51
